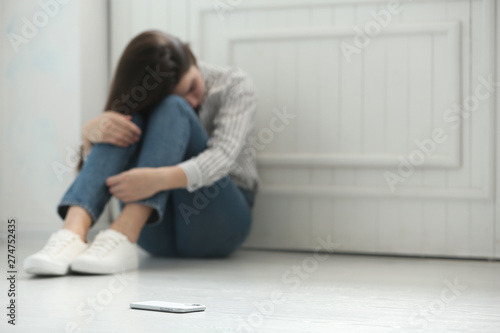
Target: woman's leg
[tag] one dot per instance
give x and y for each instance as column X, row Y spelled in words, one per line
column 212, row 221
column 131, row 220
column 214, row 226
column 77, row 220
column 81, row 206
column 165, row 142
column 85, row 199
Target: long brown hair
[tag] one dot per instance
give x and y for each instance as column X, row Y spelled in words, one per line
column 149, row 69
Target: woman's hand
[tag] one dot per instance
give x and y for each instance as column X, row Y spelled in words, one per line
column 111, row 127
column 135, row 184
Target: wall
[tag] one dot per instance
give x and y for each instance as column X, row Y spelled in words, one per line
column 56, row 80
column 373, row 158
column 497, row 109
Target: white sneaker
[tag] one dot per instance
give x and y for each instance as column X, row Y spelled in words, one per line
column 54, row 259
column 110, row 252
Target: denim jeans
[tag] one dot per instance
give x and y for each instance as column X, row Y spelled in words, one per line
column 212, row 221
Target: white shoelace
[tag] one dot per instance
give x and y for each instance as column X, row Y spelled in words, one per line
column 56, row 243
column 104, row 243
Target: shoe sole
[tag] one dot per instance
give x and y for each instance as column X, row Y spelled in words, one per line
column 84, row 268
column 44, row 268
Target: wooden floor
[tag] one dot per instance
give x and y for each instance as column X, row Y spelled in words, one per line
column 257, row 291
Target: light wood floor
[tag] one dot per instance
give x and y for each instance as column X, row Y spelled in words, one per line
column 257, row 291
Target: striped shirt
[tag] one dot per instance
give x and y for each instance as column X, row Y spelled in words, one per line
column 227, row 113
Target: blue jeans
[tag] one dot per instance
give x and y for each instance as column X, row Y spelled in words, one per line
column 210, row 222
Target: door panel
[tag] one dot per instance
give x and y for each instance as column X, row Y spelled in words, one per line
column 392, row 146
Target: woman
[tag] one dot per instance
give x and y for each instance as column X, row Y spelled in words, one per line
column 174, row 146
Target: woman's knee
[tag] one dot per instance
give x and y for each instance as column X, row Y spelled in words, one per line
column 172, row 103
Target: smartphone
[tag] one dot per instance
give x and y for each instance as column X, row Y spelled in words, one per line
column 168, row 306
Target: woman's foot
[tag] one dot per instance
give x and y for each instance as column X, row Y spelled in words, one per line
column 56, row 256
column 115, row 249
column 110, row 252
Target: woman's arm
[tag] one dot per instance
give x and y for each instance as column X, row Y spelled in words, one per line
column 111, row 127
column 171, row 177
column 231, row 127
column 141, row 183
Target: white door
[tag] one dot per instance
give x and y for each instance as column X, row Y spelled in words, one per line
column 376, row 120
